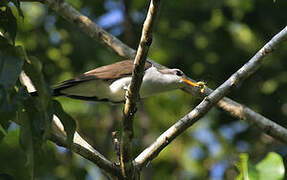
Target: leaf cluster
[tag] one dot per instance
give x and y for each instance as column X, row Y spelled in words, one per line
column 34, row 115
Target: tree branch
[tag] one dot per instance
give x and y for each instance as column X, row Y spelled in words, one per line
column 94, row 31
column 79, row 145
column 133, row 90
column 242, row 112
column 199, row 111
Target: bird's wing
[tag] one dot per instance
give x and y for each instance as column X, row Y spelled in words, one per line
column 108, row 72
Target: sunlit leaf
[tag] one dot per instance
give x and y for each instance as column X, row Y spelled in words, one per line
column 2, row 133
column 2, row 130
column 246, row 170
column 17, row 4
column 271, row 167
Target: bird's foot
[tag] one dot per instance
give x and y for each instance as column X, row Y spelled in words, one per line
column 202, row 86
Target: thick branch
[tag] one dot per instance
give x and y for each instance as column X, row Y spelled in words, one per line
column 245, row 71
column 79, row 145
column 133, row 90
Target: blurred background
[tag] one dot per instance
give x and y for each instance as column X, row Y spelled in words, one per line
column 208, row 40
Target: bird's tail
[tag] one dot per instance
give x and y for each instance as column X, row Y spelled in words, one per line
column 54, row 93
column 35, row 93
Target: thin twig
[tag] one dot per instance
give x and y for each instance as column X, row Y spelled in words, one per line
column 199, row 111
column 132, row 95
column 79, row 145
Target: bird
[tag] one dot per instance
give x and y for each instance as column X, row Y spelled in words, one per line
column 109, row 83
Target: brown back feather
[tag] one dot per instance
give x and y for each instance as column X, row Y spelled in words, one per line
column 108, row 72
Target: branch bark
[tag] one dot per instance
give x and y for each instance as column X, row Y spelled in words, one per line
column 199, row 111
column 79, row 145
column 94, row 31
column 133, row 90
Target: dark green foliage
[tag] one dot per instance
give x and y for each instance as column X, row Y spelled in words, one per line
column 8, row 22
column 33, row 114
column 10, row 67
column 208, row 40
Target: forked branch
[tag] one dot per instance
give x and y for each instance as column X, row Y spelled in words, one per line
column 94, row 31
column 199, row 111
column 133, row 90
column 79, row 145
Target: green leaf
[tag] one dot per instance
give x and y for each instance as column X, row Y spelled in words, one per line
column 272, row 167
column 26, row 138
column 5, row 108
column 68, row 122
column 247, row 171
column 4, row 3
column 2, row 133
column 8, row 23
column 4, row 176
column 32, row 129
column 33, row 69
column 11, row 62
column 4, row 42
column 17, row 4
column 2, row 130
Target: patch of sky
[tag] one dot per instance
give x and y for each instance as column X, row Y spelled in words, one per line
column 242, row 146
column 93, row 173
column 49, row 23
column 206, row 136
column 110, row 19
column 218, row 169
column 55, row 37
column 61, row 149
column 114, row 17
column 112, row 5
column 196, row 153
column 231, row 130
column 12, row 127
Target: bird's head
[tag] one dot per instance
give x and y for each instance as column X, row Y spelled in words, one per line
column 178, row 77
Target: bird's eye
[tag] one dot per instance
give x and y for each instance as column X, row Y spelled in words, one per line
column 179, row 73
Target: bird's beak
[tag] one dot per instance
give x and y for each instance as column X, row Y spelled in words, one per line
column 189, row 82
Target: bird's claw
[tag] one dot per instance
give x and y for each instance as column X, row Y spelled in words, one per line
column 202, row 86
